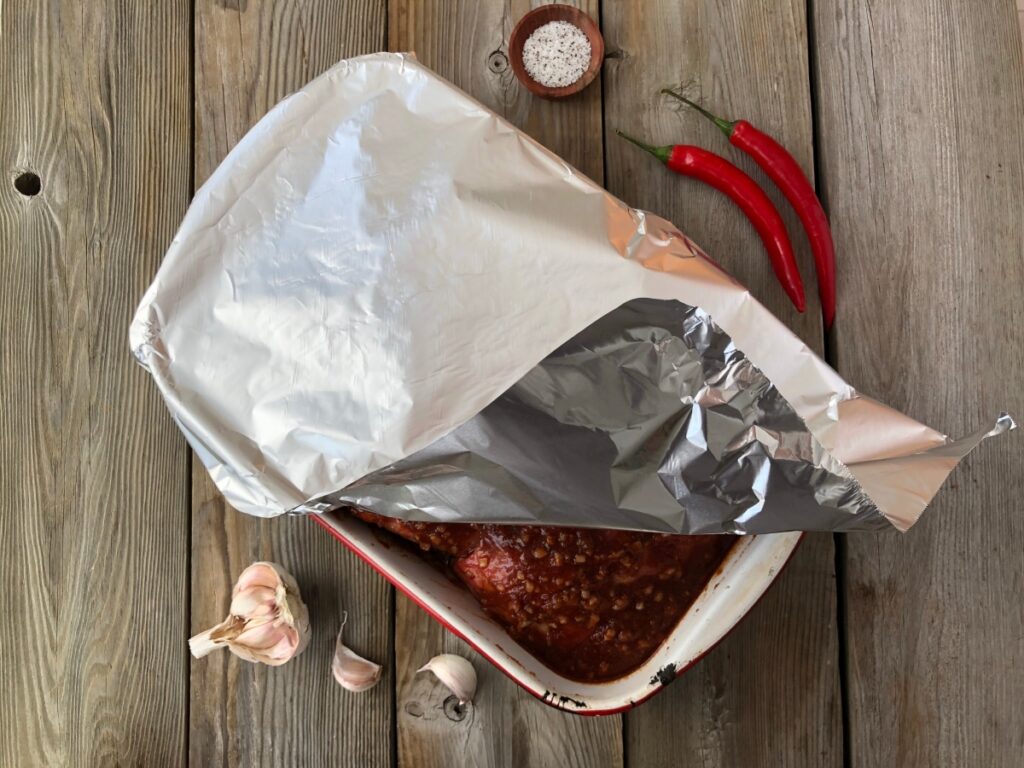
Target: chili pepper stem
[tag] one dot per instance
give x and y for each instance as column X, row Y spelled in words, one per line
column 662, row 153
column 724, row 125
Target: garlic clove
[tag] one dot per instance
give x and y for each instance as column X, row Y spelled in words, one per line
column 351, row 670
column 267, row 621
column 262, row 636
column 253, row 601
column 274, row 655
column 260, row 574
column 455, row 672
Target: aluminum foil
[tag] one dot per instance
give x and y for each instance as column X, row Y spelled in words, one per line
column 389, row 296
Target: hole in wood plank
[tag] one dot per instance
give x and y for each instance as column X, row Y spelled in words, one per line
column 28, row 184
column 497, row 62
column 455, row 711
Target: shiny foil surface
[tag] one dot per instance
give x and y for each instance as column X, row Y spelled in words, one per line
column 388, row 296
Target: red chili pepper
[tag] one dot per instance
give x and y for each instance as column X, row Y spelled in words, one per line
column 785, row 171
column 727, row 178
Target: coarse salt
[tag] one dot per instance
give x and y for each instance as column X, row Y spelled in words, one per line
column 556, row 54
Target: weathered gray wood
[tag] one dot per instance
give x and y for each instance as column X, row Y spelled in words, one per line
column 93, row 474
column 769, row 694
column 250, row 54
column 465, row 42
column 922, row 159
column 922, row 172
column 504, row 726
column 1020, row 15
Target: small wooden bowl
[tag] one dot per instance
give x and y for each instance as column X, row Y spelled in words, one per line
column 538, row 17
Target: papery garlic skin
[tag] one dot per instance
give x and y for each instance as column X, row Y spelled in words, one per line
column 456, row 673
column 351, row 670
column 267, row 622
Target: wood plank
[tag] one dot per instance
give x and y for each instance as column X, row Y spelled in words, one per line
column 249, row 55
column 504, row 726
column 465, row 42
column 922, row 161
column 1020, row 16
column 93, row 548
column 771, row 688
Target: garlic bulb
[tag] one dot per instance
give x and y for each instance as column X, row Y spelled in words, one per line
column 351, row 670
column 267, row 622
column 456, row 673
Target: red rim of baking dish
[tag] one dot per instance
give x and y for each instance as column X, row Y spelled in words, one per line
column 585, row 712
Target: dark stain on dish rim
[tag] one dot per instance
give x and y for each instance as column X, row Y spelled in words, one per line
column 665, row 675
column 551, row 696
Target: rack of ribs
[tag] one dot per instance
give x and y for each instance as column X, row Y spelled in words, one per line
column 592, row 604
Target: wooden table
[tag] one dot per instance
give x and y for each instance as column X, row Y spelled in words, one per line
column 872, row 650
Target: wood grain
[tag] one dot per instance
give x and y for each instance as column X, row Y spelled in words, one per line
column 922, row 159
column 94, row 540
column 769, row 694
column 464, row 41
column 1020, row 16
column 249, row 55
column 922, row 165
column 503, row 726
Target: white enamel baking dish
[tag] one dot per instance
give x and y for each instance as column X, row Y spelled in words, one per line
column 751, row 567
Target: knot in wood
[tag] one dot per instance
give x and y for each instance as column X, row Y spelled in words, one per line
column 455, row 711
column 497, row 62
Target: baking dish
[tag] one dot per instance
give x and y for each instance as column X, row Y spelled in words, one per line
column 748, row 570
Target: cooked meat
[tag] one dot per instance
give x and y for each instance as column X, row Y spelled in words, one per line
column 592, row 604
